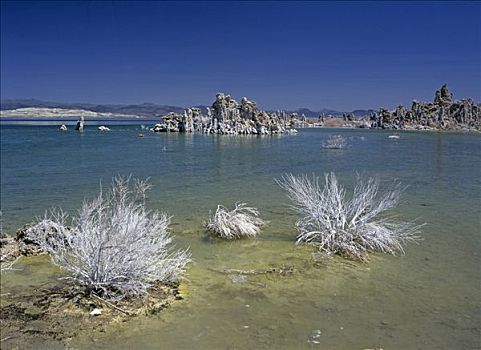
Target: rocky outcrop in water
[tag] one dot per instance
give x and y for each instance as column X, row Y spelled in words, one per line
column 228, row 117
column 443, row 113
column 80, row 124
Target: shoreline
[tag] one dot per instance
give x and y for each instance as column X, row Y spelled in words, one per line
column 74, row 119
column 46, row 121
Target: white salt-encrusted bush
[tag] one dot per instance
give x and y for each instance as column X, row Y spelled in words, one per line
column 348, row 227
column 115, row 247
column 335, row 142
column 242, row 221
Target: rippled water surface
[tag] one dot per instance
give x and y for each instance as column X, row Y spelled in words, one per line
column 427, row 299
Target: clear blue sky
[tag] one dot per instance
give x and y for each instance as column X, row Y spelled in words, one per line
column 340, row 55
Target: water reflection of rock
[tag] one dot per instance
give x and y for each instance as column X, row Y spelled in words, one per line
column 228, row 117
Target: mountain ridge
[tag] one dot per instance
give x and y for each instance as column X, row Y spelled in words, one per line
column 147, row 109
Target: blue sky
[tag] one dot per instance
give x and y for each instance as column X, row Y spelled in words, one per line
column 339, row 55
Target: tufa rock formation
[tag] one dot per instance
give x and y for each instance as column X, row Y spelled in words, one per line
column 228, row 117
column 80, row 124
column 443, row 113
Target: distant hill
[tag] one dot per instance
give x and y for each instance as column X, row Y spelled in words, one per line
column 24, row 103
column 143, row 110
column 331, row 112
column 147, row 109
column 363, row 112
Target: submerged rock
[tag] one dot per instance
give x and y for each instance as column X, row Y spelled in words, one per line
column 314, row 336
column 96, row 312
column 237, row 278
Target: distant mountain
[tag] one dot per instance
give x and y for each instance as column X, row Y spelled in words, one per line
column 62, row 113
column 307, row 112
column 143, row 110
column 203, row 108
column 314, row 114
column 363, row 112
column 148, row 109
column 331, row 112
column 24, row 103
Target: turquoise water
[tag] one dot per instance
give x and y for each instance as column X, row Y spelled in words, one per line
column 429, row 298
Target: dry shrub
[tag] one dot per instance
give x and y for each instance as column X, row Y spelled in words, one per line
column 348, row 227
column 242, row 221
column 115, row 246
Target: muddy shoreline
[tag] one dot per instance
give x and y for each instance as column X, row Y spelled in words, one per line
column 49, row 315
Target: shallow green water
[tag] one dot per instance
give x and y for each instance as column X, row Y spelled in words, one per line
column 428, row 299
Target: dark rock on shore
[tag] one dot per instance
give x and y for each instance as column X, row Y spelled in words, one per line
column 8, row 248
column 23, row 244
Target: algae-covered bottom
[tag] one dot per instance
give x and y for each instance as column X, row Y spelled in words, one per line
column 426, row 299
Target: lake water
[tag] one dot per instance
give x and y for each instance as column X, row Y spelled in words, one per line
column 427, row 299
